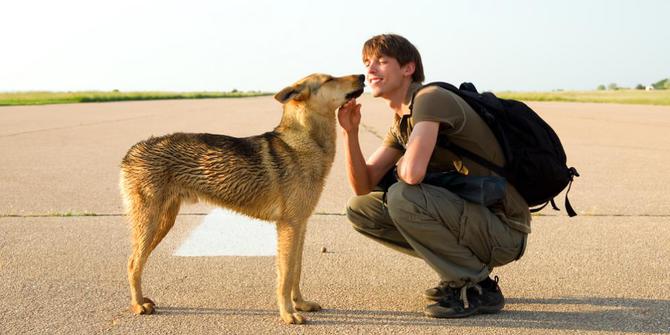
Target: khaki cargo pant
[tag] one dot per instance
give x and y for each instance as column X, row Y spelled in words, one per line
column 462, row 241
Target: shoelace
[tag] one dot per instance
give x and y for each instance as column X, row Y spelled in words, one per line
column 464, row 294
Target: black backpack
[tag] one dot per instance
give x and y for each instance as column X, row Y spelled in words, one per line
column 536, row 162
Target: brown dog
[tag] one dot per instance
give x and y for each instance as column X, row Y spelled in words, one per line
column 277, row 176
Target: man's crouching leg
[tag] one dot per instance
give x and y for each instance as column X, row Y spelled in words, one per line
column 369, row 216
column 434, row 222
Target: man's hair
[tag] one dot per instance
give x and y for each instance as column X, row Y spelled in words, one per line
column 398, row 47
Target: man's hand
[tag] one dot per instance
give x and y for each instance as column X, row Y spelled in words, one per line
column 349, row 116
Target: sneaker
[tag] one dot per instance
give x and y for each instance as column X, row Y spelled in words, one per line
column 491, row 299
column 454, row 304
column 436, row 293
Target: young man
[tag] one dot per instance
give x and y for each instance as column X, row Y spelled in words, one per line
column 462, row 241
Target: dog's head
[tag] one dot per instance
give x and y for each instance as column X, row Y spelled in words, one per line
column 322, row 90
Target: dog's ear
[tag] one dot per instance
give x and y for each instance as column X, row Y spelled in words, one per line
column 297, row 93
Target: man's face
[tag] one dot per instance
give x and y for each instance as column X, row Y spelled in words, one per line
column 385, row 75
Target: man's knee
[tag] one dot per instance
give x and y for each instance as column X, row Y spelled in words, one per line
column 404, row 200
column 401, row 192
column 354, row 205
column 359, row 213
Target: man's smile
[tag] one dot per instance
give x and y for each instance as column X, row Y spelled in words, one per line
column 374, row 80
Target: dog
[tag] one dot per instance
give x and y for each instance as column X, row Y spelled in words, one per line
column 276, row 176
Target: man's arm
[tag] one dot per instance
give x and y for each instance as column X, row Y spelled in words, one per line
column 363, row 176
column 413, row 165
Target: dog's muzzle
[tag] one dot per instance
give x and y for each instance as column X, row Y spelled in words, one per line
column 354, row 94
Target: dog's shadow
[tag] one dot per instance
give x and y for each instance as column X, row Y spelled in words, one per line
column 604, row 314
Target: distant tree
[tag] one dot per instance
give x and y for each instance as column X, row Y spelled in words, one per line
column 612, row 86
column 601, row 87
column 639, row 87
column 662, row 84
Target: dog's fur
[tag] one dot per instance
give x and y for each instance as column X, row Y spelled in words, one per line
column 277, row 176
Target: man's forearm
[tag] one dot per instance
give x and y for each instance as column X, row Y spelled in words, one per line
column 357, row 170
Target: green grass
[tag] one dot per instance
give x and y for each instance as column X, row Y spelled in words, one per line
column 640, row 97
column 656, row 97
column 43, row 98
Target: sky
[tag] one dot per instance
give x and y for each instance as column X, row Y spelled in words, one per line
column 199, row 45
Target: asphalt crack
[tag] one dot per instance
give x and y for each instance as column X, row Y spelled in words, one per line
column 372, row 131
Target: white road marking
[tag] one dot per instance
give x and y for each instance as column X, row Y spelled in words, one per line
column 226, row 233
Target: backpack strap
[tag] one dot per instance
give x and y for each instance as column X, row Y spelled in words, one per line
column 446, row 144
column 568, row 206
column 481, row 103
column 469, row 91
column 537, row 209
column 553, row 206
column 446, row 86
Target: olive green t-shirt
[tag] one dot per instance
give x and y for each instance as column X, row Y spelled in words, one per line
column 462, row 126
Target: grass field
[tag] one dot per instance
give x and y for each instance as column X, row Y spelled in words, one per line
column 657, row 97
column 640, row 97
column 43, row 98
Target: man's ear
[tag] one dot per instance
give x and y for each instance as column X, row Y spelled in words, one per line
column 409, row 68
column 297, row 93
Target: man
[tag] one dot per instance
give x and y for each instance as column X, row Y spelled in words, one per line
column 461, row 240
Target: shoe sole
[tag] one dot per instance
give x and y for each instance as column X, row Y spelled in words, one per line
column 482, row 309
column 491, row 309
column 464, row 314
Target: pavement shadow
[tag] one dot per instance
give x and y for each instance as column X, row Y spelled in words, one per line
column 619, row 315
column 169, row 310
column 603, row 314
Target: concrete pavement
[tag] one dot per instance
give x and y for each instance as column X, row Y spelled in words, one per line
column 604, row 271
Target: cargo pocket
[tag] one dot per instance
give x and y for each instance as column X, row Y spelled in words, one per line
column 503, row 255
column 492, row 241
column 471, row 234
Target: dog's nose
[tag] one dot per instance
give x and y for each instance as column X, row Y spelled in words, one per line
column 361, row 78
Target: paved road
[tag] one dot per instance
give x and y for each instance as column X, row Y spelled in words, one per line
column 605, row 271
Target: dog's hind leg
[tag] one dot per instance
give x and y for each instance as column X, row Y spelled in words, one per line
column 298, row 302
column 288, row 234
column 168, row 215
column 143, row 219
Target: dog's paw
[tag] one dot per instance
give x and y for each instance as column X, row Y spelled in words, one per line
column 293, row 318
column 307, row 306
column 148, row 307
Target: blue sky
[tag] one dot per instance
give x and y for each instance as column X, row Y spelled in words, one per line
column 265, row 45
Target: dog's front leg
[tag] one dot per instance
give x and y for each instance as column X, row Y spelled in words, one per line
column 288, row 234
column 298, row 302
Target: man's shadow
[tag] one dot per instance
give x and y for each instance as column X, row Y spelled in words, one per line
column 604, row 314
